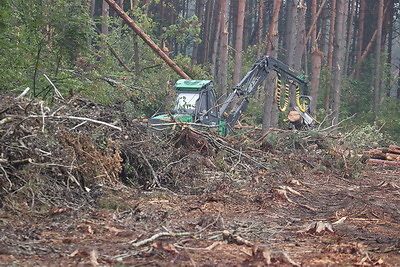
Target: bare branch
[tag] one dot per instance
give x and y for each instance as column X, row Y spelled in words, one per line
column 79, row 118
column 156, row 236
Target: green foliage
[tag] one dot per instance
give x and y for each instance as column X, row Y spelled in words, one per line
column 365, row 136
column 187, row 31
column 194, row 71
column 389, row 119
column 41, row 37
column 357, row 98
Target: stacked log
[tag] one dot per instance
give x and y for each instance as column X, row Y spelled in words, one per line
column 387, row 156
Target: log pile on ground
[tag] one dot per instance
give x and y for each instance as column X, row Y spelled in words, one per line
column 386, row 156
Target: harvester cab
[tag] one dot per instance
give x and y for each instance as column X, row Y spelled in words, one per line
column 196, row 100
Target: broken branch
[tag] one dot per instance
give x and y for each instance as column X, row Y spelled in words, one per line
column 236, row 239
column 79, row 118
column 156, row 236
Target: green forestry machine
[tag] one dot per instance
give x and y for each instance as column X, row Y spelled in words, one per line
column 196, row 101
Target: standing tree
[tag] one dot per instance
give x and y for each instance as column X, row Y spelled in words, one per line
column 237, row 71
column 378, row 48
column 290, row 37
column 301, row 35
column 200, row 15
column 330, row 54
column 223, row 65
column 337, row 60
column 270, row 115
column 260, row 27
column 316, row 60
column 360, row 37
column 104, row 17
column 216, row 39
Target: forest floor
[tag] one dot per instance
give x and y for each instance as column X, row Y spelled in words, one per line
column 82, row 185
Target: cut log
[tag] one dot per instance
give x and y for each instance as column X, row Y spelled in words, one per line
column 392, row 156
column 394, row 149
column 380, row 162
column 376, row 153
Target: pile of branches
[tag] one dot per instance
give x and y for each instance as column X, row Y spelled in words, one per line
column 72, row 144
column 69, row 149
column 66, row 150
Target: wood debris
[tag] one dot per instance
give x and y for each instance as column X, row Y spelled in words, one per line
column 319, row 228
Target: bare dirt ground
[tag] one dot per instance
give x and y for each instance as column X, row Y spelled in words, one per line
column 127, row 198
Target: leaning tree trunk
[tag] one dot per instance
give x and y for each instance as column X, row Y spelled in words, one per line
column 377, row 84
column 147, row 39
column 338, row 58
column 367, row 48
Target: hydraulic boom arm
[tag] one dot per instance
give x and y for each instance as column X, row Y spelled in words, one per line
column 248, row 86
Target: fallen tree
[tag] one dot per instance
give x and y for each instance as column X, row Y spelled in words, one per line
column 147, row 39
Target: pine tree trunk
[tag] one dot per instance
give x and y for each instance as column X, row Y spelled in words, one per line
column 136, row 58
column 360, row 38
column 216, row 39
column 237, row 71
column 270, row 116
column 105, row 14
column 290, row 38
column 398, row 86
column 337, row 60
column 378, row 53
column 316, row 61
column 273, row 29
column 330, row 55
column 92, row 8
column 349, row 36
column 368, row 47
column 301, row 34
column 323, row 31
column 206, row 36
column 260, row 27
column 290, row 31
column 200, row 15
column 390, row 40
column 223, row 66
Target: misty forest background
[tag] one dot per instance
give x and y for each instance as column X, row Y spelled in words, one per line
column 348, row 50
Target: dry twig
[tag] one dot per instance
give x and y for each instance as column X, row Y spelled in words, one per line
column 79, row 118
column 156, row 236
